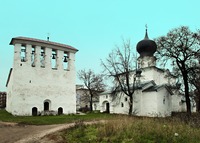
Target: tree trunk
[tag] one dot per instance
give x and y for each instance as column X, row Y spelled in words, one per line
column 131, row 105
column 198, row 98
column 198, row 104
column 185, row 79
column 91, row 109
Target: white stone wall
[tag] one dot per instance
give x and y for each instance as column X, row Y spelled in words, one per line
column 83, row 99
column 152, row 104
column 164, row 102
column 146, row 61
column 105, row 98
column 149, row 104
column 120, row 105
column 156, row 75
column 30, row 86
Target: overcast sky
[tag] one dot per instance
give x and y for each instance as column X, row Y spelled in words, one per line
column 94, row 27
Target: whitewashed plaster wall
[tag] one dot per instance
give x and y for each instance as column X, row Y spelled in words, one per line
column 31, row 86
column 156, row 75
column 121, row 104
column 144, row 103
column 152, row 73
column 149, row 104
column 82, row 101
column 103, row 99
column 164, row 102
column 177, row 105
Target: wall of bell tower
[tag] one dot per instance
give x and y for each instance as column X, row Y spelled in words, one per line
column 42, row 71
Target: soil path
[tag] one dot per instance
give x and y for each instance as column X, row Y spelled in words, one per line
column 14, row 133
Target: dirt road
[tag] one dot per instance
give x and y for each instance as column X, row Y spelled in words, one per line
column 14, row 133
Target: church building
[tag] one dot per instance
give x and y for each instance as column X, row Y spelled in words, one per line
column 42, row 80
column 156, row 93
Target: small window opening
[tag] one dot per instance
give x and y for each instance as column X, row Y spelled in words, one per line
column 164, row 100
column 33, row 57
column 54, row 59
column 65, row 61
column 42, row 57
column 23, row 54
column 122, row 104
column 125, row 99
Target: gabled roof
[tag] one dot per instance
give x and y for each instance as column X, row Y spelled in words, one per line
column 159, row 70
column 45, row 43
column 146, row 68
column 157, row 87
column 147, row 86
column 118, row 89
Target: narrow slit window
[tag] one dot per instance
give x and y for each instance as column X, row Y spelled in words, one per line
column 122, row 104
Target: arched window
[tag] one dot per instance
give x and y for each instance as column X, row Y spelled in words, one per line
column 47, row 104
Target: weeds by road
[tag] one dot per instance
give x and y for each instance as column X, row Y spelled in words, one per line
column 49, row 120
column 126, row 129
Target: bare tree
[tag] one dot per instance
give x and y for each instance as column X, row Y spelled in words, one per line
column 180, row 47
column 93, row 82
column 119, row 65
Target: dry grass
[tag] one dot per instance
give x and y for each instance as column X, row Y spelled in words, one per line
column 126, row 129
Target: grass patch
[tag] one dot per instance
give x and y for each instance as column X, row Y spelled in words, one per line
column 126, row 129
column 48, row 120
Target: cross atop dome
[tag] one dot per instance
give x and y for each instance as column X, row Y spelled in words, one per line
column 146, row 34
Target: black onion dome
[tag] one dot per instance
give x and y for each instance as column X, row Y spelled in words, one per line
column 146, row 47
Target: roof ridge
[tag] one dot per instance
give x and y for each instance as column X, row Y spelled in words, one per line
column 42, row 41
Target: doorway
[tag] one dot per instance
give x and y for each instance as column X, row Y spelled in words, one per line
column 107, row 107
column 34, row 111
column 60, row 111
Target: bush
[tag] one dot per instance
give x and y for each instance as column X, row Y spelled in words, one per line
column 84, row 109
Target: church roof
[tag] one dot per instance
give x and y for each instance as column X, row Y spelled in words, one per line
column 147, row 86
column 150, row 67
column 157, row 87
column 158, row 69
column 38, row 42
